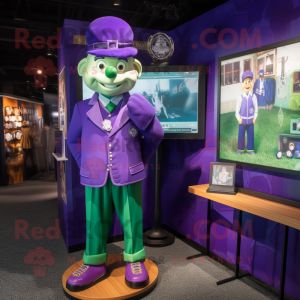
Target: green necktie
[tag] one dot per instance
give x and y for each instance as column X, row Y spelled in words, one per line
column 110, row 107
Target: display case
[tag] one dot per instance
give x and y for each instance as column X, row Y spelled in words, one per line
column 21, row 139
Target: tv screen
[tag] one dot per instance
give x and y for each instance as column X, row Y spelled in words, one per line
column 178, row 95
column 259, row 108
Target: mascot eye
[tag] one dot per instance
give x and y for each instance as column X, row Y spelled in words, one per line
column 121, row 66
column 101, row 65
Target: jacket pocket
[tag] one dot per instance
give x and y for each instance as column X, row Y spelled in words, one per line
column 137, row 168
column 85, row 173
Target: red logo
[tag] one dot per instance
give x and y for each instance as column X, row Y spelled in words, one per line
column 40, row 258
column 40, row 68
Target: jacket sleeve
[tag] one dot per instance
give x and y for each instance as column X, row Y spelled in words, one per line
column 74, row 135
column 255, row 87
column 142, row 114
column 266, row 86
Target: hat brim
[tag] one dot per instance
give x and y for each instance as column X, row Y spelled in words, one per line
column 119, row 52
column 247, row 77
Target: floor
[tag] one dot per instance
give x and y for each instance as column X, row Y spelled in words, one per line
column 24, row 274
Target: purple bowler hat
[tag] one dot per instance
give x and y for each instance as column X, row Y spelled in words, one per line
column 110, row 36
column 247, row 74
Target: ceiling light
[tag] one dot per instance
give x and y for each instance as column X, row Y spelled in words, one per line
column 117, row 2
column 19, row 15
column 49, row 52
column 39, row 71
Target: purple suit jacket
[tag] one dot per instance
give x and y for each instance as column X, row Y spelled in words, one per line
column 120, row 153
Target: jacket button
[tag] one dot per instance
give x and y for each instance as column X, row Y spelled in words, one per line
column 107, row 169
column 111, row 165
column 109, row 145
column 111, row 159
column 110, row 155
column 109, row 115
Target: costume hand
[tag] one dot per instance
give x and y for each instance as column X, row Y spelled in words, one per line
column 140, row 111
column 240, row 121
column 137, row 99
column 253, row 121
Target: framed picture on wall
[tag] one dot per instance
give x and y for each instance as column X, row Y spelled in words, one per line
column 62, row 103
column 244, row 129
column 222, row 178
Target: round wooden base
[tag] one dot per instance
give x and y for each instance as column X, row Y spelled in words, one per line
column 114, row 286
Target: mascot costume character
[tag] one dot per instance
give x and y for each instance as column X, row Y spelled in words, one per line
column 246, row 114
column 112, row 136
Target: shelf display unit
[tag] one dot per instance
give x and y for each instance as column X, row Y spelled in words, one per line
column 21, row 139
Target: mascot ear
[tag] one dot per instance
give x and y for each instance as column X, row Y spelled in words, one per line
column 82, row 66
column 138, row 67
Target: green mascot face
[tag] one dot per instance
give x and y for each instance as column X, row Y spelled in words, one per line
column 109, row 76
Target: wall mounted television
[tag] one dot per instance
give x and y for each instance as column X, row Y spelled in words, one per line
column 178, row 94
column 259, row 107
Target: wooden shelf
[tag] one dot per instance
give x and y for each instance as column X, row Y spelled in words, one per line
column 270, row 210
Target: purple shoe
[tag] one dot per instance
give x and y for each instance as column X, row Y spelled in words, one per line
column 85, row 277
column 136, row 275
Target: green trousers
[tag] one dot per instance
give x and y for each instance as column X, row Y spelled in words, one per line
column 100, row 206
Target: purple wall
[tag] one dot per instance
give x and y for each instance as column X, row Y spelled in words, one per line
column 188, row 163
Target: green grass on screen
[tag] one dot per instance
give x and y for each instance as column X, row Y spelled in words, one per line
column 266, row 131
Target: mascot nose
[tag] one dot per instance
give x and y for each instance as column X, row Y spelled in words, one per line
column 111, row 72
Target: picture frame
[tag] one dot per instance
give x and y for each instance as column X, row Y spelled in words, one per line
column 222, row 178
column 286, row 83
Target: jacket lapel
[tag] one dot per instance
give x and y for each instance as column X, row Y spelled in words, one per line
column 122, row 117
column 121, row 120
column 94, row 113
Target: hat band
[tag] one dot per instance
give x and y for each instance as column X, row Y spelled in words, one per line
column 109, row 44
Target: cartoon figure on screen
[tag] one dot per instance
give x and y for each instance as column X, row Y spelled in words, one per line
column 260, row 90
column 112, row 136
column 246, row 114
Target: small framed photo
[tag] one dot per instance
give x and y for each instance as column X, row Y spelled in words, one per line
column 222, row 178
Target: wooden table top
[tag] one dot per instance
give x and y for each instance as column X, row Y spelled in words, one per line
column 270, row 210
